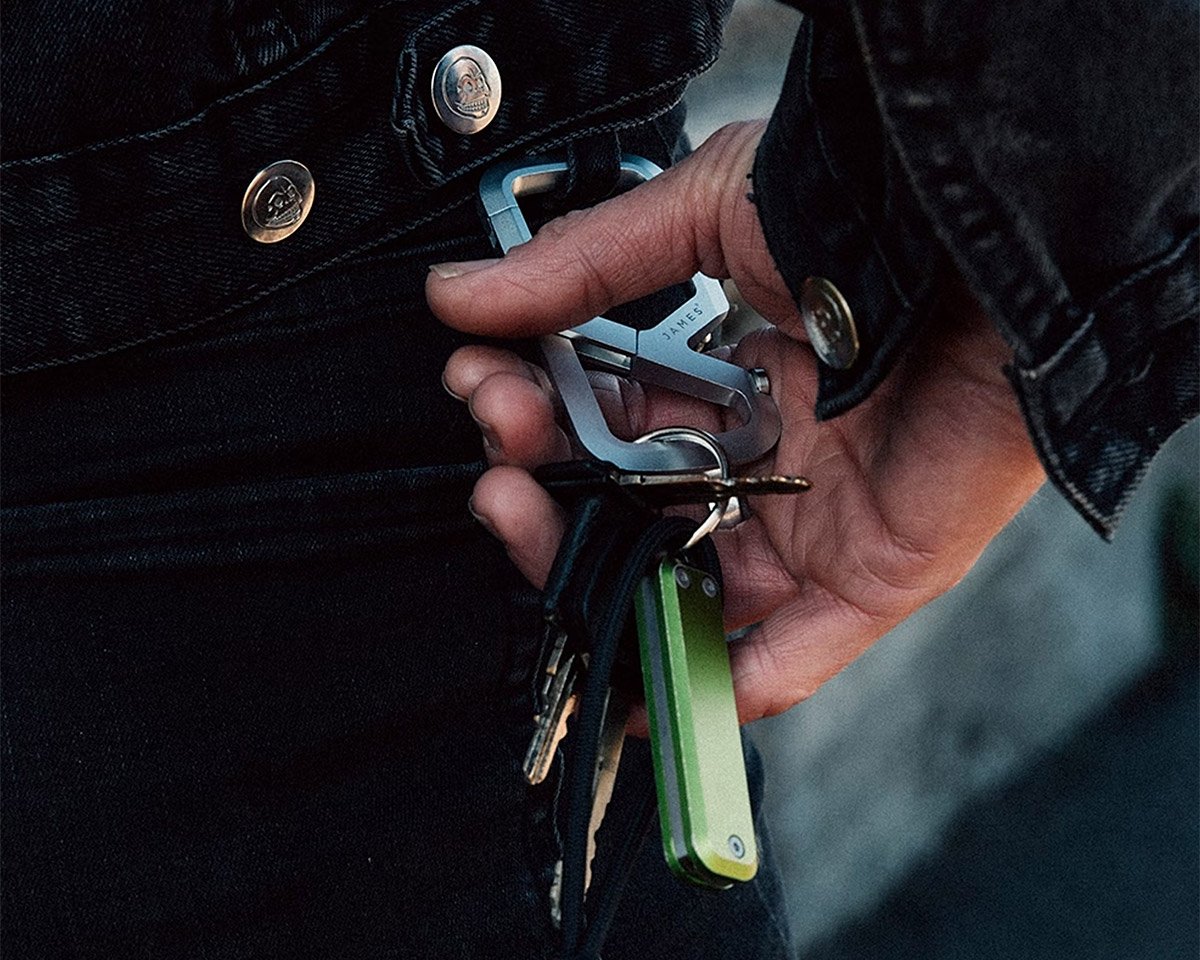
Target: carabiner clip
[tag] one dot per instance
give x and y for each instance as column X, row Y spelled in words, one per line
column 666, row 355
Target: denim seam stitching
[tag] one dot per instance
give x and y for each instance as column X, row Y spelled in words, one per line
column 204, row 112
column 1051, row 460
column 1145, row 274
column 1160, row 264
column 655, row 109
column 245, row 302
column 995, row 212
column 1164, row 261
column 1035, row 373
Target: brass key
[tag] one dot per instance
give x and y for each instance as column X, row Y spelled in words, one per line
column 608, row 757
column 573, row 479
column 666, row 489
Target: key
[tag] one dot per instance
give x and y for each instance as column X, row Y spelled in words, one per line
column 704, row 802
column 725, row 496
column 599, row 523
column 604, row 779
column 572, row 479
column 669, row 489
column 608, row 758
column 559, row 701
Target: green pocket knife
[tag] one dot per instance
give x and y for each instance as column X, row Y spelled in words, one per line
column 703, row 800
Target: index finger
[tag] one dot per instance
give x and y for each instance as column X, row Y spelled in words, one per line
column 582, row 264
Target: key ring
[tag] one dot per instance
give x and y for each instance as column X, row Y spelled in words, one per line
column 724, row 511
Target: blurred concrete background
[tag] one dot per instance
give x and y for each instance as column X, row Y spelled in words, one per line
column 1013, row 771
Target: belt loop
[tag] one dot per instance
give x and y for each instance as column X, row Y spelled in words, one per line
column 593, row 170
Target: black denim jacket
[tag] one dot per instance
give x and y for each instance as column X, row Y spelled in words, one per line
column 1047, row 151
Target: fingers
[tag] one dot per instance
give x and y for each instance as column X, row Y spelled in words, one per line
column 516, row 419
column 515, row 407
column 576, row 267
column 469, row 366
column 511, row 404
column 517, row 510
column 659, row 233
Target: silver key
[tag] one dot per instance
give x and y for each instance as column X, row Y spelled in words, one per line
column 558, row 700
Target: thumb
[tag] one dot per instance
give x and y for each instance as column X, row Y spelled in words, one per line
column 578, row 266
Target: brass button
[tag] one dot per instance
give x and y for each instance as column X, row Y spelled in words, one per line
column 277, row 201
column 466, row 89
column 829, row 323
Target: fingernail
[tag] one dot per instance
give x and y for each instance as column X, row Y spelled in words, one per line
column 448, row 271
column 446, row 387
column 491, row 442
column 482, row 520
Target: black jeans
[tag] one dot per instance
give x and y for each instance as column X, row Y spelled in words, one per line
column 269, row 697
column 265, row 682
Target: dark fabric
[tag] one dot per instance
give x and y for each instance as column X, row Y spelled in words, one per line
column 164, row 203
column 1048, row 151
column 266, row 685
column 593, row 171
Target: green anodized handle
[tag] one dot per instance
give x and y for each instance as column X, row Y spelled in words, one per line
column 704, row 803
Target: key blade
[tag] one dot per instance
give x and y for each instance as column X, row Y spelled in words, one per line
column 553, row 659
column 608, row 758
column 544, row 744
column 770, row 485
column 561, row 702
column 673, row 488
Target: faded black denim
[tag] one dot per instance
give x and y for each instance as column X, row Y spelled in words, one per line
column 265, row 682
column 347, row 95
column 1048, row 152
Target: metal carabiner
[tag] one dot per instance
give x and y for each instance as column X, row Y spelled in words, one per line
column 666, row 355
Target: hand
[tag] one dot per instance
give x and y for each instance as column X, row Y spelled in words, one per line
column 908, row 487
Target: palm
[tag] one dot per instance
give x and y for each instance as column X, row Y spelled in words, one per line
column 907, row 490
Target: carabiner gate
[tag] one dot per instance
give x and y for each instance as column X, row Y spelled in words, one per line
column 665, row 355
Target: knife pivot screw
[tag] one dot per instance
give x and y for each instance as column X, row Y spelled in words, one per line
column 736, row 846
column 682, row 578
column 709, row 586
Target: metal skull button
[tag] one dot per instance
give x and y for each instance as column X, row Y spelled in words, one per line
column 466, row 89
column 829, row 323
column 277, row 201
